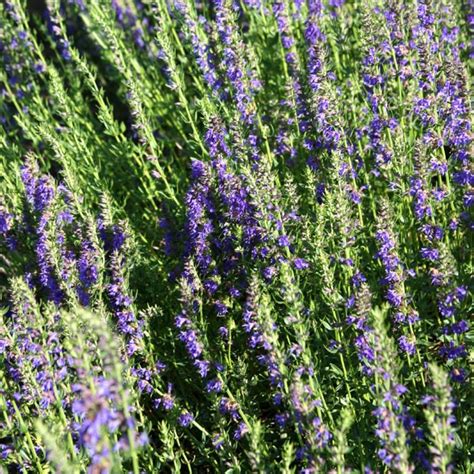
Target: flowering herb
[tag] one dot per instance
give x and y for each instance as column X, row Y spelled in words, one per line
column 235, row 236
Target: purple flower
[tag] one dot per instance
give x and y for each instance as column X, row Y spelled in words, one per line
column 459, row 375
column 39, row 68
column 217, row 442
column 358, row 279
column 193, row 346
column 99, row 414
column 5, row 221
column 430, row 254
column 283, row 241
column 88, row 272
column 406, row 345
column 282, row 419
column 300, row 264
column 240, row 431
column 452, row 351
column 5, row 451
column 214, row 385
column 167, row 401
column 185, row 419
column 229, row 407
column 221, row 308
column 459, row 327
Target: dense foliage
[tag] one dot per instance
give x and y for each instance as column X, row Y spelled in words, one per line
column 236, row 236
